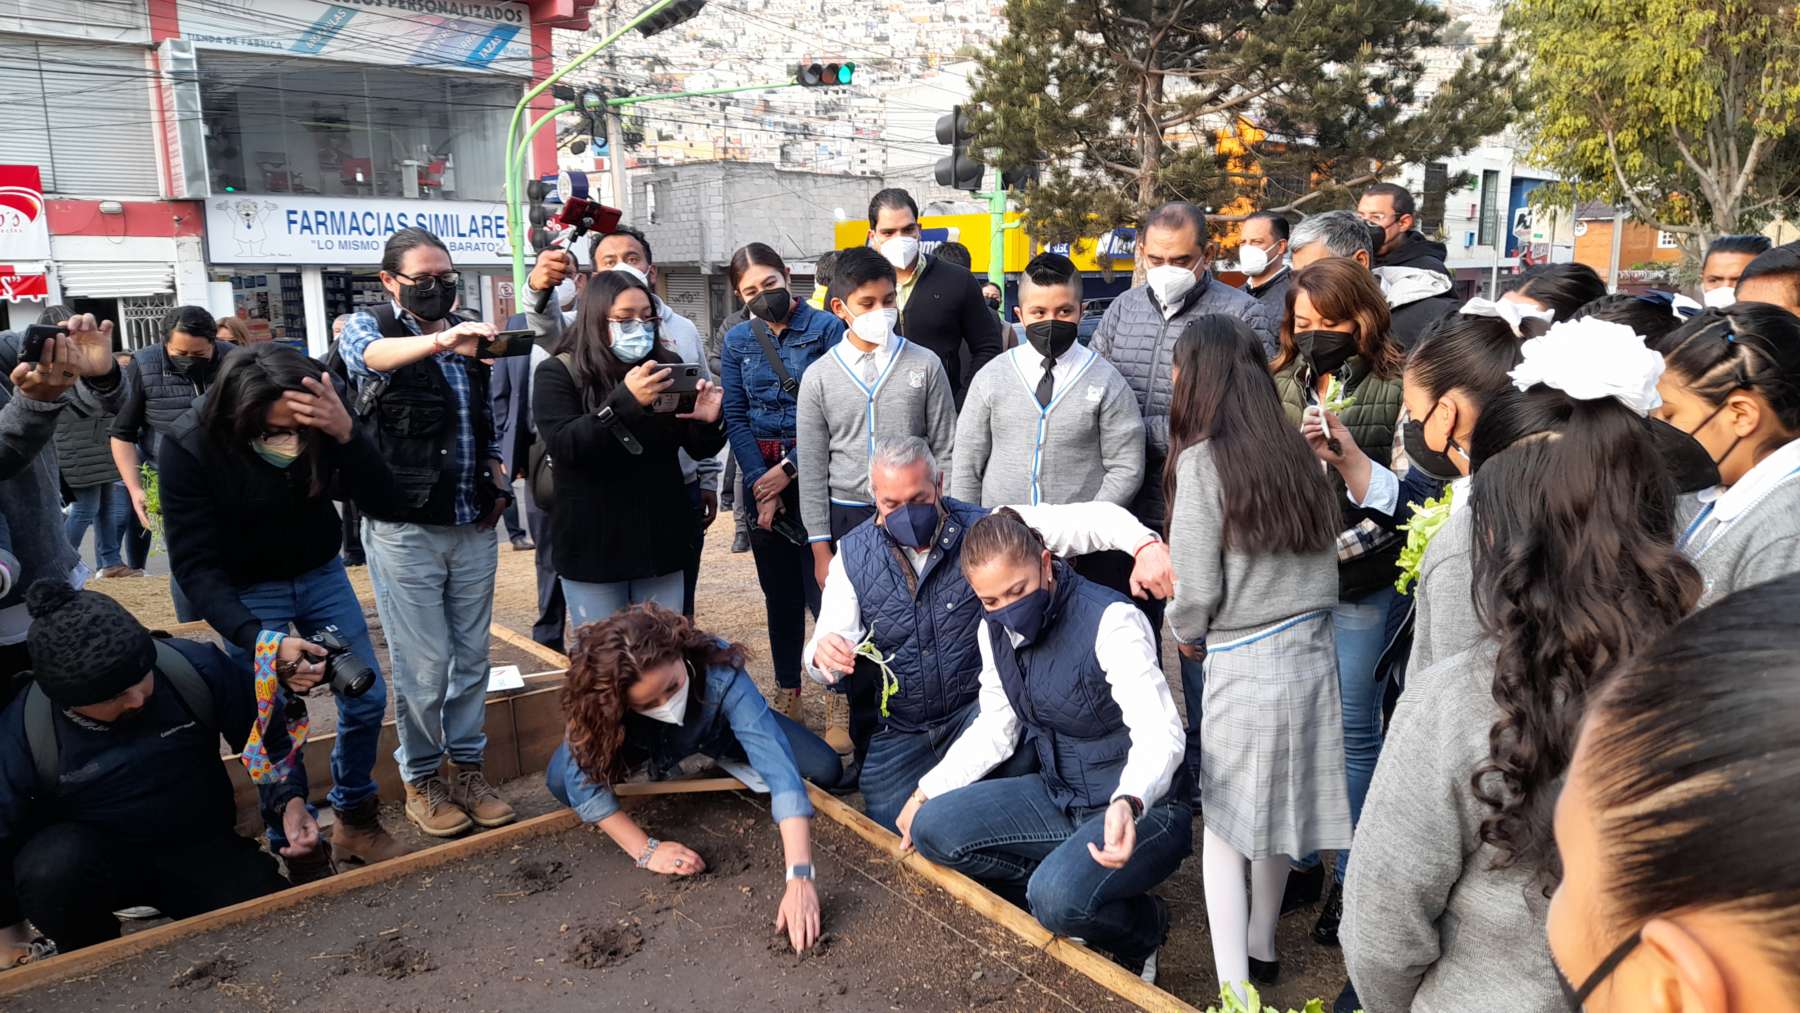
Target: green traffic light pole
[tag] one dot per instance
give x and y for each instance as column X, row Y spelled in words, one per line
column 515, row 160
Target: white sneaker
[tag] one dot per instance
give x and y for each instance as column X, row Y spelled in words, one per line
column 1149, row 971
column 140, row 913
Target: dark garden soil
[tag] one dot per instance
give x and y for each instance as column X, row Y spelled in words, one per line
column 566, row 923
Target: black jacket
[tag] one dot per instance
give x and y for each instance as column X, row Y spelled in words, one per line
column 155, row 396
column 1414, row 250
column 1411, row 321
column 83, row 446
column 231, row 520
column 619, row 515
column 946, row 311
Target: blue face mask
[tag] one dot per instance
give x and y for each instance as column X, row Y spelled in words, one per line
column 632, row 340
column 1025, row 617
column 914, row 525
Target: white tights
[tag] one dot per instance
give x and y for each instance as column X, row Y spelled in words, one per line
column 1239, row 933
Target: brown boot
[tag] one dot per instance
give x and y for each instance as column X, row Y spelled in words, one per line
column 478, row 798
column 310, row 867
column 787, row 704
column 837, row 723
column 360, row 838
column 429, row 808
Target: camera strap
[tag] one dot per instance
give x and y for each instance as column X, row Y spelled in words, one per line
column 268, row 688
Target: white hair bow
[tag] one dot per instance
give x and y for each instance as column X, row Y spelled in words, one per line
column 1514, row 313
column 1590, row 359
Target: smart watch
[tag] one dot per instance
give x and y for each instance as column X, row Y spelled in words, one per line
column 804, row 871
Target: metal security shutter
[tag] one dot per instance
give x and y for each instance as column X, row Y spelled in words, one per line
column 102, row 135
column 686, row 294
column 110, row 281
column 24, row 129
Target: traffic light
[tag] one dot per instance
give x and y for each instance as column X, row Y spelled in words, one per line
column 825, row 75
column 670, row 16
column 538, row 192
column 959, row 170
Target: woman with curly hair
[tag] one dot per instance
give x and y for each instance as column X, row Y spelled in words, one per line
column 1573, row 510
column 646, row 687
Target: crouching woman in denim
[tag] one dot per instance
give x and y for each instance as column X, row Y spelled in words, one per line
column 1072, row 667
column 645, row 686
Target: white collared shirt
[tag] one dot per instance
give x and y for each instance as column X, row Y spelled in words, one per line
column 1030, row 363
column 1723, row 506
column 852, row 356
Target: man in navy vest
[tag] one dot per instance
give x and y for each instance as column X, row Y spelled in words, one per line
column 897, row 581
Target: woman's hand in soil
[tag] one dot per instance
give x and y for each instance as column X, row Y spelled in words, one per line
column 301, row 829
column 1121, row 836
column 799, row 914
column 905, row 820
column 673, row 859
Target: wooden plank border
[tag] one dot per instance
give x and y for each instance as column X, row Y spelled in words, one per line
column 973, row 895
column 93, row 958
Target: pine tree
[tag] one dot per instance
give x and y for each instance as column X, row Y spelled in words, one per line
column 1126, row 104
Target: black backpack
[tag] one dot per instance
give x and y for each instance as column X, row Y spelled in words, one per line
column 540, row 471
column 40, row 713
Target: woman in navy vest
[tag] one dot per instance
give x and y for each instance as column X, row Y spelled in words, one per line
column 1071, row 666
column 647, row 688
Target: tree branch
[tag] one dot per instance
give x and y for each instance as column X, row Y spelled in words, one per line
column 1644, row 212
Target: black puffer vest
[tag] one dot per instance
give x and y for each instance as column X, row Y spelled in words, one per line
column 167, row 394
column 413, row 416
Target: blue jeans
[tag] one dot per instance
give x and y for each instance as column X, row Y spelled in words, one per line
column 1360, row 628
column 896, row 760
column 309, row 603
column 434, row 590
column 105, row 508
column 1010, row 833
column 591, row 603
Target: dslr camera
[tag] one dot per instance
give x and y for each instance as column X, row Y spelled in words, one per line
column 348, row 674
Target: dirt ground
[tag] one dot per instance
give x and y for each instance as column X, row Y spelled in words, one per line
column 565, row 923
column 730, row 604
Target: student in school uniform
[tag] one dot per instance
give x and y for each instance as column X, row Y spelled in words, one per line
column 1572, row 513
column 872, row 384
column 1252, row 526
column 1733, row 383
column 1070, row 667
column 1049, row 421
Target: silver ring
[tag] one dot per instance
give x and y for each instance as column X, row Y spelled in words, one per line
column 679, row 862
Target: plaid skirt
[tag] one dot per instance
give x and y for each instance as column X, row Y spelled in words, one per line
column 1272, row 741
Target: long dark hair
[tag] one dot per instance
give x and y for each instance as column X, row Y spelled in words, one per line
column 588, row 342
column 1275, row 496
column 1748, row 346
column 1648, row 316
column 1692, row 762
column 1574, row 565
column 1473, row 354
column 1342, row 289
column 237, row 407
column 754, row 254
column 610, row 656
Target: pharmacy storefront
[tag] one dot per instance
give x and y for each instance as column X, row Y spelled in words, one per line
column 295, row 263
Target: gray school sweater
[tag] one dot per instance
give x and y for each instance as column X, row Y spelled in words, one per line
column 1223, row 593
column 1759, row 546
column 1429, row 926
column 838, row 421
column 1444, row 621
column 1087, row 445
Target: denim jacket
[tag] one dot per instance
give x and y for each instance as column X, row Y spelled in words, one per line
column 756, row 408
column 728, row 718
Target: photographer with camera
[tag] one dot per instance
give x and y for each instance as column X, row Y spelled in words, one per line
column 112, row 793
column 272, row 440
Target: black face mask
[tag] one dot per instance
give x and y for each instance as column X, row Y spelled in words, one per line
column 1576, row 997
column 1689, row 463
column 773, row 305
column 1433, row 463
column 993, row 304
column 1325, row 351
column 1051, row 338
column 193, row 367
column 434, row 304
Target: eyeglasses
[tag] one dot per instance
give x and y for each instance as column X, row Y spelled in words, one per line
column 428, row 283
column 1379, row 218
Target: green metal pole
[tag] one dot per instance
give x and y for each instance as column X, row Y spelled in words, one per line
column 539, row 124
column 515, row 164
column 631, row 100
column 997, row 239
